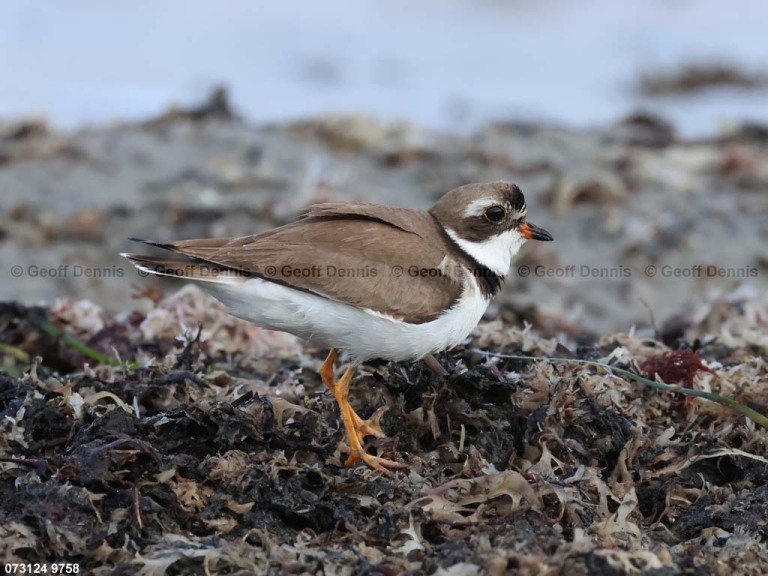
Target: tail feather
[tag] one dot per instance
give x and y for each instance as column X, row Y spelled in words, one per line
column 194, row 270
column 166, row 245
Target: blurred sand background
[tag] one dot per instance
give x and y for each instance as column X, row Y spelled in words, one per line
column 393, row 103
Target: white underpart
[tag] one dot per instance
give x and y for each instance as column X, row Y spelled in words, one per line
column 496, row 252
column 361, row 334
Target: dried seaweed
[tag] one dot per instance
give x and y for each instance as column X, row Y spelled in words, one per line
column 532, row 456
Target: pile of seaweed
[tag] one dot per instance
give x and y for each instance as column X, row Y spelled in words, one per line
column 181, row 441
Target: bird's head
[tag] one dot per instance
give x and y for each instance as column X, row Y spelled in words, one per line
column 488, row 221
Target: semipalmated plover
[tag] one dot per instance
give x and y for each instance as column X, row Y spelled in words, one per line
column 372, row 281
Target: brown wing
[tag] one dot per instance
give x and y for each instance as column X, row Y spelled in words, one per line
column 390, row 260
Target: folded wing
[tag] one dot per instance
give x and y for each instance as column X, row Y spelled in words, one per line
column 390, row 260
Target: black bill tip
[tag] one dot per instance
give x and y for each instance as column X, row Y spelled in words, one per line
column 533, row 232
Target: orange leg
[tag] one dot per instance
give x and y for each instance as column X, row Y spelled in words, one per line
column 355, row 426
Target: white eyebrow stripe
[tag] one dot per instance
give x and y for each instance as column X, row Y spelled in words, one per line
column 477, row 207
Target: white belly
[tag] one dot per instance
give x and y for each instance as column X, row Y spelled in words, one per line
column 361, row 334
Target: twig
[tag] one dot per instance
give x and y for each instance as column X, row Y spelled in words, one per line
column 753, row 415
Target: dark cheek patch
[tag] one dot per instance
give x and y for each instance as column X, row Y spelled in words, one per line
column 478, row 229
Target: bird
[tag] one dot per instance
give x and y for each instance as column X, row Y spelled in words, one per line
column 367, row 280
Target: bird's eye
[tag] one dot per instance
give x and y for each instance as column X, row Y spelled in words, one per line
column 495, row 214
